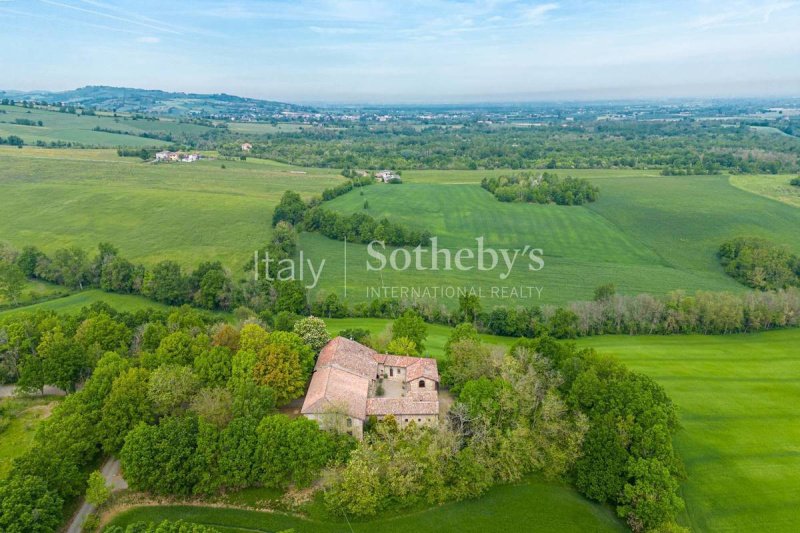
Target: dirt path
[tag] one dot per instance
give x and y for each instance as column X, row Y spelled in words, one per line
column 111, row 473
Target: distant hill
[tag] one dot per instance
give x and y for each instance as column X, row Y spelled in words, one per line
column 131, row 100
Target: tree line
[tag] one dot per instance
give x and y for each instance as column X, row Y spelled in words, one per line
column 357, row 227
column 681, row 147
column 544, row 188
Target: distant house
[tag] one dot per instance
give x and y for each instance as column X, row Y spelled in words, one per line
column 246, row 147
column 386, row 176
column 167, row 156
column 353, row 382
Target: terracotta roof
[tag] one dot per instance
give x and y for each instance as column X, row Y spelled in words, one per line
column 348, row 355
column 423, row 367
column 401, row 407
column 423, row 395
column 332, row 388
column 342, row 378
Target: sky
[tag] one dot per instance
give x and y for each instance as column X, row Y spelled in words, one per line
column 407, row 51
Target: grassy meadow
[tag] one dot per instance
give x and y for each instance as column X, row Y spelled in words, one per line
column 770, row 186
column 541, row 506
column 646, row 233
column 184, row 212
column 67, row 127
column 19, row 418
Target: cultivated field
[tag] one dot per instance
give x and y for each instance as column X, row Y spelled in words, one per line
column 646, row 233
column 181, row 211
column 68, row 127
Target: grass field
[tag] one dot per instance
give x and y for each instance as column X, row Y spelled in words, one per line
column 184, row 212
column 770, row 186
column 533, row 506
column 737, row 396
column 35, row 290
column 646, row 233
column 67, row 127
column 75, row 302
column 19, row 418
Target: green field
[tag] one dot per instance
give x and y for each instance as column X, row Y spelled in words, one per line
column 79, row 129
column 737, row 398
column 532, row 505
column 75, row 302
column 771, row 186
column 185, row 212
column 646, row 233
column 20, row 417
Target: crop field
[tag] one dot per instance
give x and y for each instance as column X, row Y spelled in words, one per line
column 68, row 127
column 184, row 212
column 646, row 233
column 75, row 302
column 541, row 506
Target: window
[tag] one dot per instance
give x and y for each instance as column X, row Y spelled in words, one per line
column 422, row 384
column 391, row 371
column 349, row 422
column 406, row 419
column 419, row 420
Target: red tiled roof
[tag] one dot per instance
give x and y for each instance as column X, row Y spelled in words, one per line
column 423, row 367
column 333, row 388
column 401, row 407
column 348, row 355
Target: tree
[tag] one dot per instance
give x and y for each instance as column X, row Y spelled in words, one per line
column 214, row 406
column 291, row 209
column 63, row 361
column 165, row 283
column 461, row 332
column 313, row 331
column 411, row 326
column 402, row 346
column 28, row 259
column 469, row 307
column 213, row 367
column 162, row 459
column 126, row 405
column 12, row 281
column 171, row 389
column 278, row 367
column 28, row 506
column 100, row 333
column 604, row 292
column 651, row 501
column 97, row 492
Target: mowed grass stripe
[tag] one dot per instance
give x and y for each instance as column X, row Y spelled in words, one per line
column 737, row 398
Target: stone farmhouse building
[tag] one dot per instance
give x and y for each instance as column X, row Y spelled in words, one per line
column 352, row 382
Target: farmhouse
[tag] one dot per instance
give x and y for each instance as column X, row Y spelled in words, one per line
column 386, row 176
column 246, row 147
column 167, row 156
column 352, row 383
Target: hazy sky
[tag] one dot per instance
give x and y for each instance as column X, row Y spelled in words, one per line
column 406, row 51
